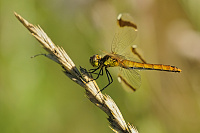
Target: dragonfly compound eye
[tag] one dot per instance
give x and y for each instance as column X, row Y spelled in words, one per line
column 94, row 60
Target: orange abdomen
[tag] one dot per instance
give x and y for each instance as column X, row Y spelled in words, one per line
column 160, row 67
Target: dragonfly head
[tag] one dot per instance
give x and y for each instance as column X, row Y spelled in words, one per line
column 95, row 60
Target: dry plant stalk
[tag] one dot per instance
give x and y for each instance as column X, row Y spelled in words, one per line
column 58, row 54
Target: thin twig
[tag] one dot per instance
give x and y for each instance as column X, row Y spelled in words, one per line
column 58, row 54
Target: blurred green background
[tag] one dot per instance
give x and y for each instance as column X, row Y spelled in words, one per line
column 36, row 97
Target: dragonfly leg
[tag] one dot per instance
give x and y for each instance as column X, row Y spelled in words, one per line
column 110, row 79
column 94, row 70
column 98, row 74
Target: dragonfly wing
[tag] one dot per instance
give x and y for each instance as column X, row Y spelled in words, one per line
column 125, row 34
column 129, row 78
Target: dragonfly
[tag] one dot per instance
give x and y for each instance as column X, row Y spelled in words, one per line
column 121, row 56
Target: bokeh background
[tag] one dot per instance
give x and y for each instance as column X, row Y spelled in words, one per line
column 36, row 97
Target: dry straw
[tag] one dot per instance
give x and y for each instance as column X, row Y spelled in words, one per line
column 58, row 54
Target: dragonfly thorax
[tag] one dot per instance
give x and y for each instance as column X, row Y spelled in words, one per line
column 95, row 60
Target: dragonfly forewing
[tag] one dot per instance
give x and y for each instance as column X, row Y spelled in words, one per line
column 125, row 34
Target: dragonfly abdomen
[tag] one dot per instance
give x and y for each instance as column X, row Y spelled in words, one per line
column 160, row 67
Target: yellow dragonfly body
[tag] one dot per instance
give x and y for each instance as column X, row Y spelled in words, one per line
column 121, row 46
